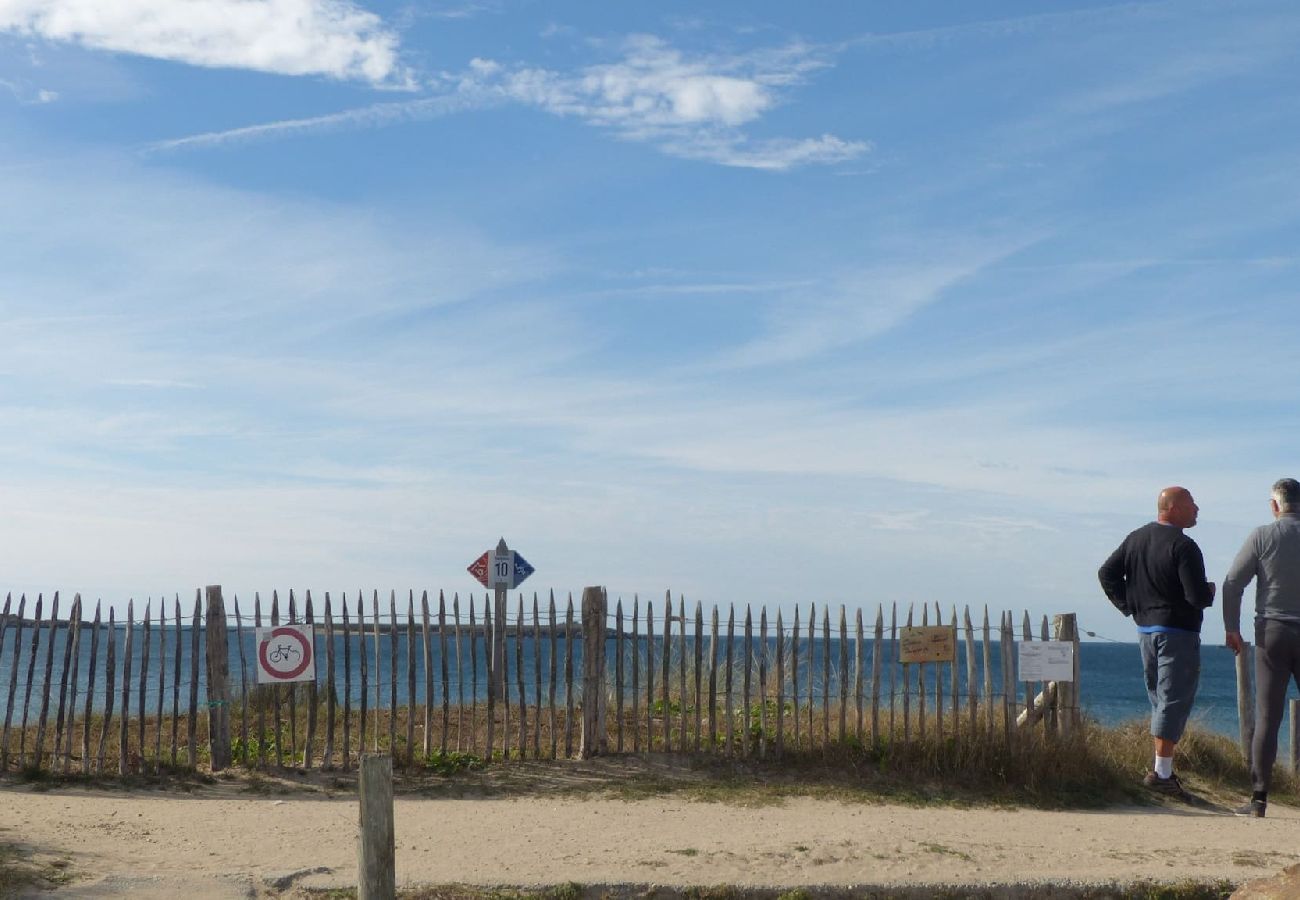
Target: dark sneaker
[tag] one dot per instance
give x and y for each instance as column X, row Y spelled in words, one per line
column 1170, row 786
column 1253, row 809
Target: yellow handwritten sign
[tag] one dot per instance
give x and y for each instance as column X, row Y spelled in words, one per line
column 926, row 644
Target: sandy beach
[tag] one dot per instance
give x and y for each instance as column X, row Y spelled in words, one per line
column 220, row 841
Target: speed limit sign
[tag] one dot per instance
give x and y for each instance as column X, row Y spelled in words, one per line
column 284, row 654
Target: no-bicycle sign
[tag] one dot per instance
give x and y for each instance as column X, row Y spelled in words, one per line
column 284, row 653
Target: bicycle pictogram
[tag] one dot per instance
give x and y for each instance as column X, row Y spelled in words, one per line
column 284, row 653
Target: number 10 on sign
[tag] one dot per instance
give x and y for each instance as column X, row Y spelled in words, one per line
column 503, row 570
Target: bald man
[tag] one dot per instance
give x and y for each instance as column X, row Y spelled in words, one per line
column 1157, row 576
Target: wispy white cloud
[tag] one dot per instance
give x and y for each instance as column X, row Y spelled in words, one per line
column 700, row 287
column 690, row 108
column 1155, row 52
column 859, row 305
column 653, row 87
column 901, row 520
column 377, row 115
column 693, row 108
column 452, row 11
column 160, row 383
column 333, row 38
column 26, row 94
column 1143, row 74
column 1068, row 21
column 556, row 30
column 777, row 154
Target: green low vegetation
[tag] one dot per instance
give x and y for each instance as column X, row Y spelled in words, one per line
column 452, row 762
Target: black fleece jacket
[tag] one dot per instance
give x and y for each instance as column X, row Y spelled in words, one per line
column 1157, row 576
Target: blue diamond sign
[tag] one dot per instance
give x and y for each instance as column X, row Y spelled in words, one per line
column 523, row 568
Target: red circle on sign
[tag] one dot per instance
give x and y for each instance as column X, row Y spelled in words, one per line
column 302, row 642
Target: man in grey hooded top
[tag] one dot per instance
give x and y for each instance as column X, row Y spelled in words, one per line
column 1270, row 556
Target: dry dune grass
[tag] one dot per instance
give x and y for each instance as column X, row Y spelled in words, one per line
column 1093, row 766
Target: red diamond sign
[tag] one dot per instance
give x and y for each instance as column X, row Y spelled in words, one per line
column 479, row 569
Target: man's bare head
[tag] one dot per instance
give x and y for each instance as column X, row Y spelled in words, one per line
column 1175, row 506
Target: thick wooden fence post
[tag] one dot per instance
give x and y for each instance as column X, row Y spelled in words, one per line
column 1246, row 699
column 218, row 648
column 1065, row 628
column 376, row 845
column 594, row 740
column 1294, row 733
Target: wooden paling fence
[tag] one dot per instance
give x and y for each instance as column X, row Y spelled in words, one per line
column 420, row 682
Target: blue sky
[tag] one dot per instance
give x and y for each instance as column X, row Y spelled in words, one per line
column 758, row 302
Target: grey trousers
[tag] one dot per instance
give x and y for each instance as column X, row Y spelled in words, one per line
column 1277, row 662
column 1171, row 665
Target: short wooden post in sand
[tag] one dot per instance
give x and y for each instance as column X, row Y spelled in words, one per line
column 376, row 844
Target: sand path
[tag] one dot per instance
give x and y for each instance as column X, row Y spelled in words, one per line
column 219, row 842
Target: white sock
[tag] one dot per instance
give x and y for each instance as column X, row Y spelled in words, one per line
column 1164, row 766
